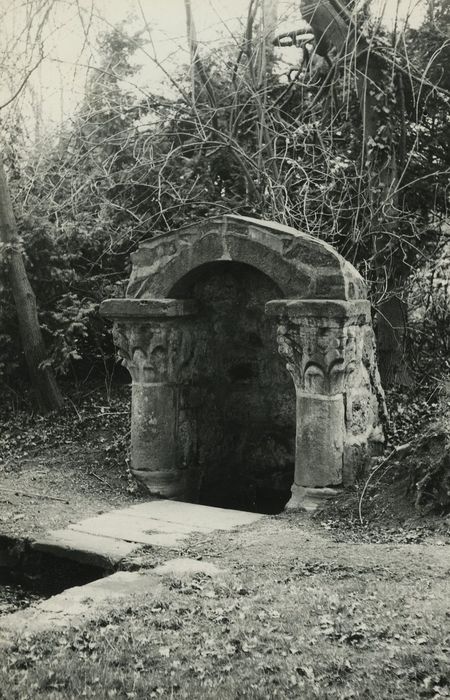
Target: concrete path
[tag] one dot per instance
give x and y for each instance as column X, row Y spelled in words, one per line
column 106, row 539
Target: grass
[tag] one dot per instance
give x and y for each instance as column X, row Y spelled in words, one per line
column 277, row 624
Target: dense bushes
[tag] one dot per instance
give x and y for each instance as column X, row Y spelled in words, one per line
column 71, row 270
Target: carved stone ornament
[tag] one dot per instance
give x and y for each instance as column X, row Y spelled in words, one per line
column 153, row 337
column 321, row 350
column 155, row 351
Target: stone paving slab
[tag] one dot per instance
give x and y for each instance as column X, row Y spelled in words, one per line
column 77, row 605
column 195, row 516
column 136, row 527
column 142, row 521
column 84, row 548
column 80, row 604
column 109, row 537
column 120, row 527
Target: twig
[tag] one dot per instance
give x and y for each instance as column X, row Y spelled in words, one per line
column 75, row 408
column 112, row 413
column 31, row 494
column 368, row 481
column 22, row 84
column 100, row 479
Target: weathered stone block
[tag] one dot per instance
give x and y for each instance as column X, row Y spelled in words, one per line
column 320, row 452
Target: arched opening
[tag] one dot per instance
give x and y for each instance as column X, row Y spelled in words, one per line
column 242, row 394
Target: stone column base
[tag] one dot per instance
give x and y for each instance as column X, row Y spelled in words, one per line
column 310, row 499
column 164, row 483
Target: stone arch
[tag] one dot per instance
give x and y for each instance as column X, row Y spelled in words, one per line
column 302, row 266
column 180, row 290
column 322, row 323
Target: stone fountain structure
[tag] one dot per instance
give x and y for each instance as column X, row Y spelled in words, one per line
column 252, row 356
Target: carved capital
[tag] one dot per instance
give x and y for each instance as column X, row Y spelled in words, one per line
column 321, row 357
column 322, row 342
column 155, row 350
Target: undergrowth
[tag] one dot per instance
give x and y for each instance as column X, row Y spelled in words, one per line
column 406, row 493
column 92, row 418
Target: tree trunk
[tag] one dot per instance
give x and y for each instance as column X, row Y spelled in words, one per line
column 47, row 393
column 201, row 88
column 391, row 342
column 392, row 312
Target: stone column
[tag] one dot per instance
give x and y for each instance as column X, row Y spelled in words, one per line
column 322, row 342
column 155, row 339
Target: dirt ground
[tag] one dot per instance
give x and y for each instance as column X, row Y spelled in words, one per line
column 56, row 487
column 55, row 470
